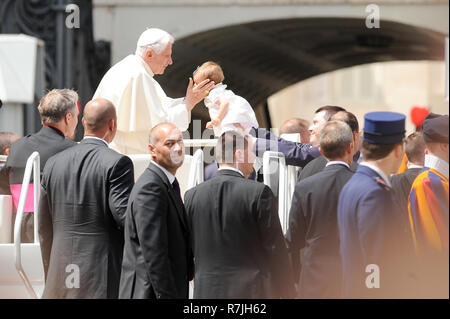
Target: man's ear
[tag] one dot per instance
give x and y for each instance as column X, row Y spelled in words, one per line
column 7, row 151
column 67, row 118
column 350, row 148
column 356, row 138
column 111, row 125
column 239, row 156
column 321, row 152
column 399, row 151
column 151, row 149
column 148, row 53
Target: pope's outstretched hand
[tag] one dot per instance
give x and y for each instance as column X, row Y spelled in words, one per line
column 196, row 93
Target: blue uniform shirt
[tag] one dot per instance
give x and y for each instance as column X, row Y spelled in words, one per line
column 369, row 231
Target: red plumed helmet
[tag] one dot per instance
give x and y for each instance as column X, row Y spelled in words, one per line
column 418, row 115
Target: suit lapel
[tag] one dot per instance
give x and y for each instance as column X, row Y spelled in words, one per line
column 180, row 209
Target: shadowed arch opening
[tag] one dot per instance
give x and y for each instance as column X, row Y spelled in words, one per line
column 264, row 57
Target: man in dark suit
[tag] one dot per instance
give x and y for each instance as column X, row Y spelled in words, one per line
column 157, row 261
column 237, row 239
column 59, row 113
column 85, row 191
column 313, row 217
column 415, row 149
column 320, row 162
column 401, row 183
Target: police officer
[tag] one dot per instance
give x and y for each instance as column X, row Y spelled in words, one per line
column 371, row 240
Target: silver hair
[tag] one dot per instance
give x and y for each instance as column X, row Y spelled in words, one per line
column 158, row 45
column 56, row 104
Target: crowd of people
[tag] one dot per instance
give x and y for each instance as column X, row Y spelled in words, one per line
column 358, row 227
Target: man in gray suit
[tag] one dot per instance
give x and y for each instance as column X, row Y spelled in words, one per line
column 313, row 217
column 238, row 244
column 84, row 196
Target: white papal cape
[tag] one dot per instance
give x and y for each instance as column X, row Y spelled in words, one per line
column 140, row 104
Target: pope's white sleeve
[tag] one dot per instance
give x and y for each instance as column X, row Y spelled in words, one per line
column 177, row 113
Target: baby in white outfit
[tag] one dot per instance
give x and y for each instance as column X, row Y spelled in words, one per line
column 228, row 111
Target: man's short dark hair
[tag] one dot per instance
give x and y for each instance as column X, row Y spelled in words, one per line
column 6, row 139
column 227, row 145
column 415, row 148
column 330, row 110
column 335, row 137
column 348, row 118
column 373, row 152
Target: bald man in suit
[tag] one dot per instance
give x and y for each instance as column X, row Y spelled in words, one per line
column 84, row 196
column 157, row 262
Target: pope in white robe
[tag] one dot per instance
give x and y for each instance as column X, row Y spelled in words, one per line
column 139, row 100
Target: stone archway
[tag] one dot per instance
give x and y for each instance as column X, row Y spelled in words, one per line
column 261, row 58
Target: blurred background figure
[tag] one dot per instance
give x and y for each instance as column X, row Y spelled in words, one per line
column 297, row 125
column 6, row 139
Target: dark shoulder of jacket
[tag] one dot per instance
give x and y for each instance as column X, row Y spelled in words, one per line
column 257, row 187
column 111, row 156
column 312, row 167
column 69, row 142
column 206, row 185
column 16, row 146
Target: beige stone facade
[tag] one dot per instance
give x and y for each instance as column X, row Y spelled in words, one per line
column 387, row 86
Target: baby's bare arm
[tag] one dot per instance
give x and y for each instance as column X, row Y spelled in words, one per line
column 223, row 109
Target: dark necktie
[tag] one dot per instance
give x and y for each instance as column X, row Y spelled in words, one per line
column 176, row 188
column 177, row 191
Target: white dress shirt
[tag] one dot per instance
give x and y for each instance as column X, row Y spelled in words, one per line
column 231, row 169
column 414, row 166
column 96, row 138
column 336, row 163
column 169, row 175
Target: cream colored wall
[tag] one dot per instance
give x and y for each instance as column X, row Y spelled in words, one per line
column 122, row 21
column 386, row 86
